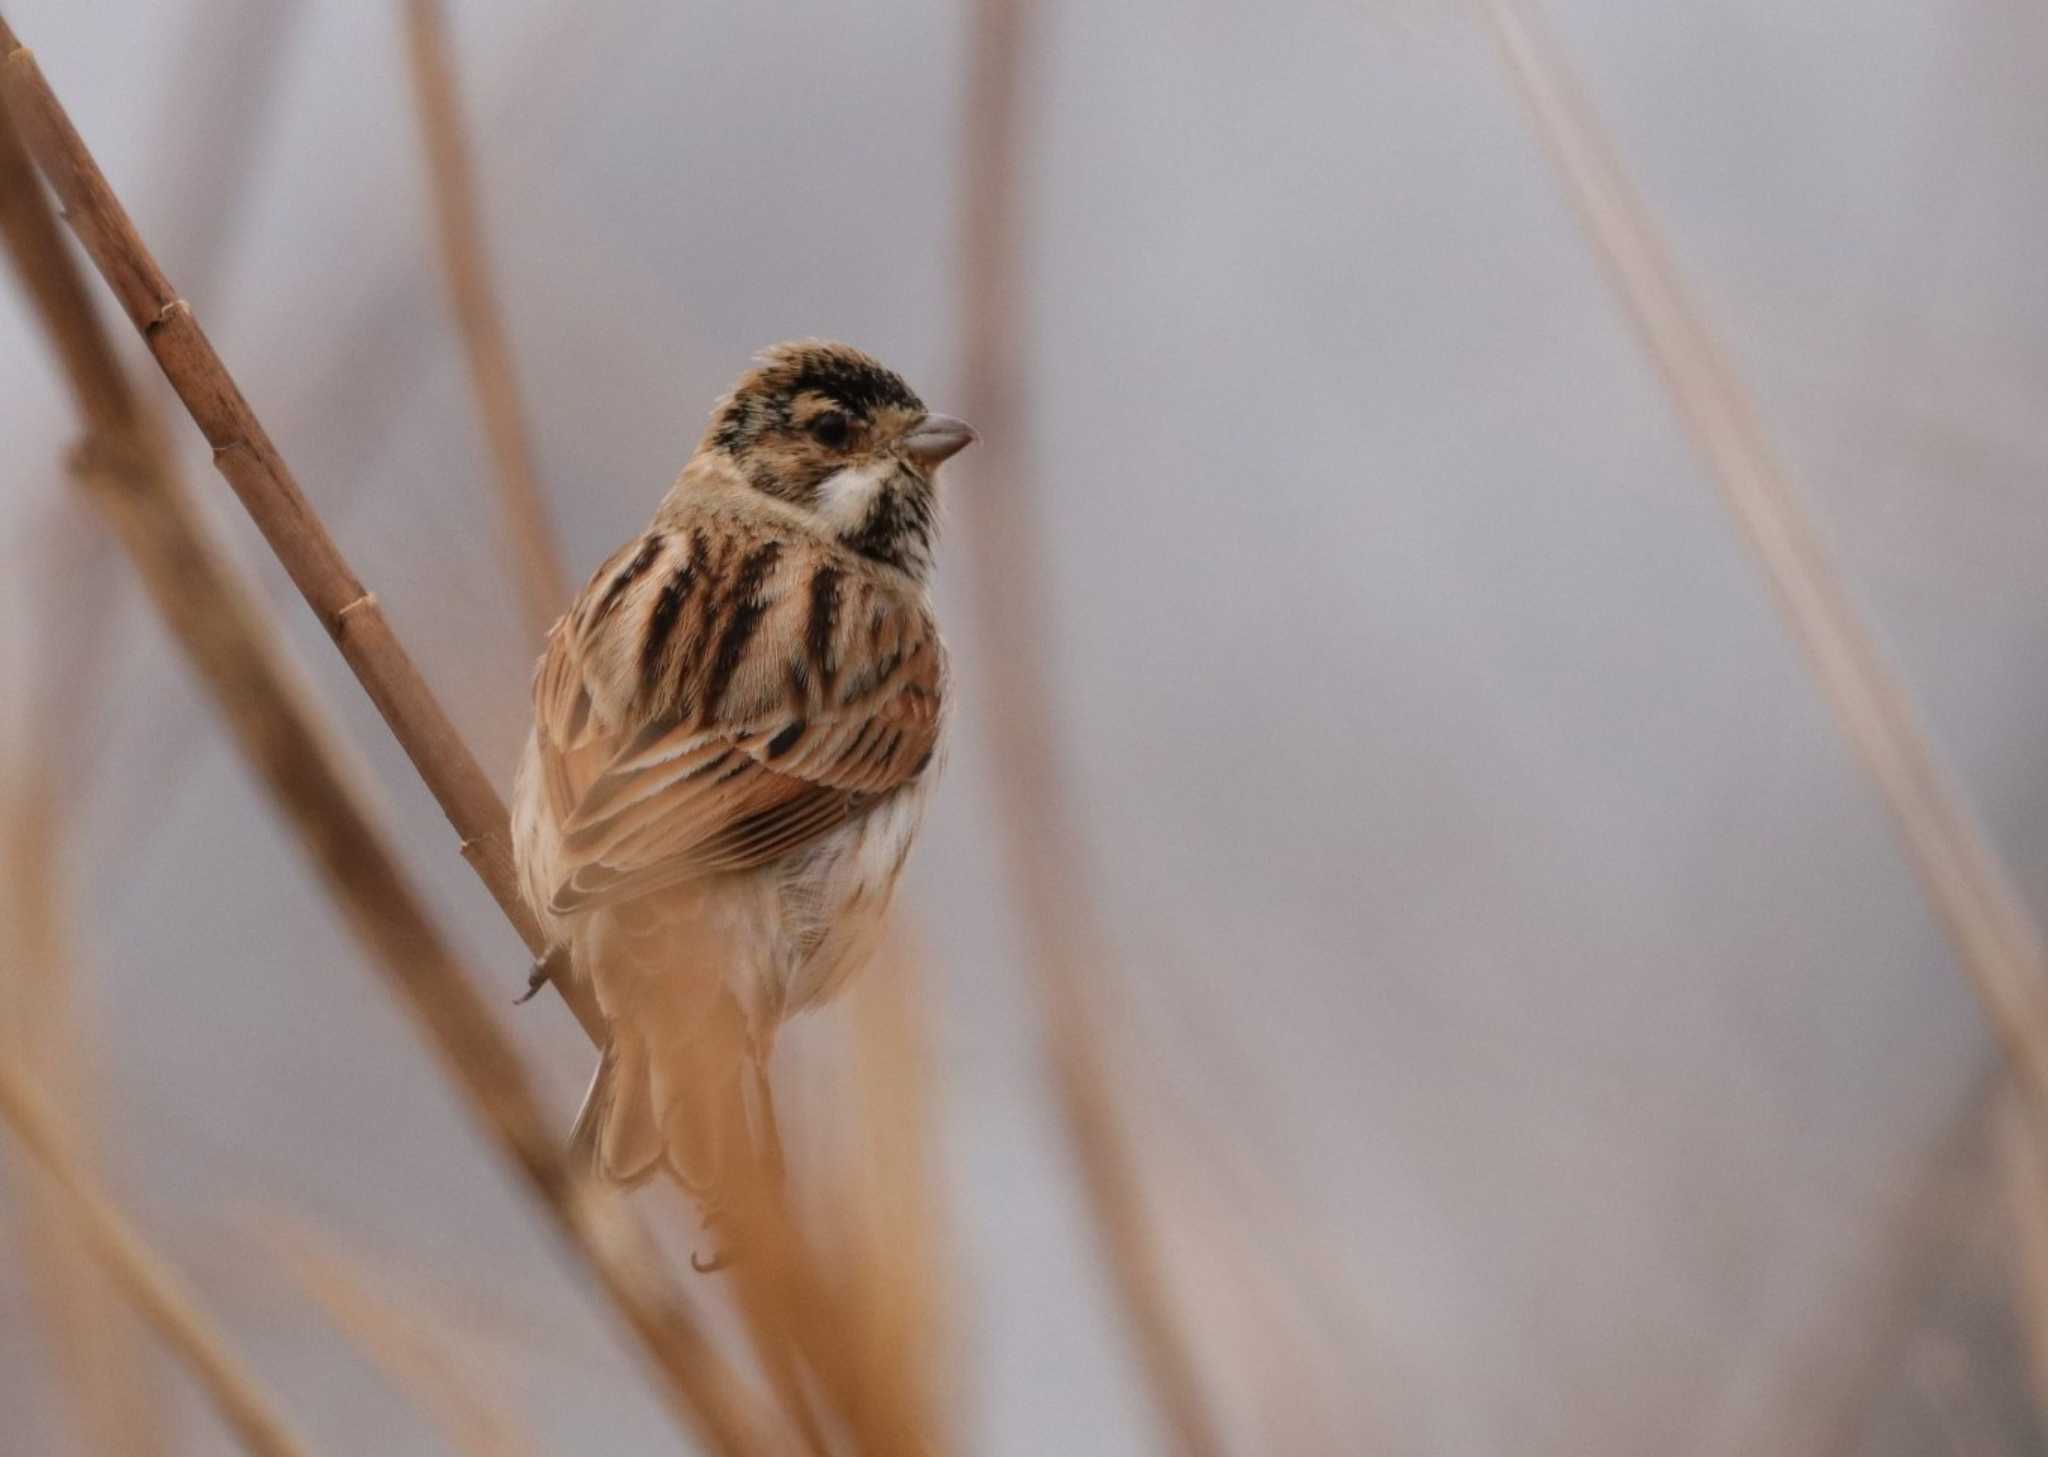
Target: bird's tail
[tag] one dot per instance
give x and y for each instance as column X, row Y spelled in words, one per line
column 671, row 1090
column 614, row 1138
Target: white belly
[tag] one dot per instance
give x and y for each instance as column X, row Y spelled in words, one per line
column 835, row 899
column 783, row 937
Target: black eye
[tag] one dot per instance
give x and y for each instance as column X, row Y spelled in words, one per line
column 832, row 430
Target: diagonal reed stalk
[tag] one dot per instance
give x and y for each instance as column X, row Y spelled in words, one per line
column 94, row 1346
column 465, row 264
column 128, row 474
column 792, row 1311
column 149, row 1283
column 1007, row 585
column 794, row 1317
column 245, row 456
column 1999, row 945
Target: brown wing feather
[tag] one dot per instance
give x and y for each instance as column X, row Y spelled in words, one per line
column 722, row 699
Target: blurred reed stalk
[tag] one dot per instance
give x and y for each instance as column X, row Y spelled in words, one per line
column 857, row 1296
column 234, row 106
column 893, row 1250
column 1010, row 602
column 2000, row 947
column 95, row 1350
column 786, row 1301
column 245, row 456
column 805, row 1317
column 128, row 474
column 537, row 573
column 411, row 1348
column 797, row 1320
column 148, row 1282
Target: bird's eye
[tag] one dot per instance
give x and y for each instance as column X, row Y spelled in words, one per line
column 832, row 430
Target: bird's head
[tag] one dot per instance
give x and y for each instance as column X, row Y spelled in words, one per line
column 839, row 436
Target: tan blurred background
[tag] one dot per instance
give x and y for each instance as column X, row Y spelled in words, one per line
column 1540, row 1041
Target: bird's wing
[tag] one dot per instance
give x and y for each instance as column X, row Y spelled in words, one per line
column 720, row 696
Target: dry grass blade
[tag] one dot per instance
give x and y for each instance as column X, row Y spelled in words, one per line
column 210, row 613
column 1999, row 944
column 409, row 1346
column 244, row 454
column 537, row 564
column 1007, row 586
column 147, row 1281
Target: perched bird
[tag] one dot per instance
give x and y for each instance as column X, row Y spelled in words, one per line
column 735, row 730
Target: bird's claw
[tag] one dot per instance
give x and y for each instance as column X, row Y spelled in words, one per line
column 720, row 1259
column 545, row 969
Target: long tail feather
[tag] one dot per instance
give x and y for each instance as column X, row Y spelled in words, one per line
column 614, row 1137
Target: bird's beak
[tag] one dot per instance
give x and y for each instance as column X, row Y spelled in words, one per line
column 936, row 438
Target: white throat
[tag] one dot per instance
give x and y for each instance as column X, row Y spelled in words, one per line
column 845, row 496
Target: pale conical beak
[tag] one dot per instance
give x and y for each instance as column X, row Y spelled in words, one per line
column 936, row 438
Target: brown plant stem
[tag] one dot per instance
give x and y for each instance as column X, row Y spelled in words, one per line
column 465, row 263
column 1006, row 585
column 129, row 476
column 252, row 465
column 155, row 1290
column 1999, row 945
column 1996, row 939
column 96, row 1349
column 244, row 454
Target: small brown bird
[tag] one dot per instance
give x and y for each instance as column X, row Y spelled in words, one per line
column 735, row 730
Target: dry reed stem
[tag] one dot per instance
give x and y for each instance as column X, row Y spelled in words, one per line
column 95, row 1351
column 208, row 610
column 849, row 1320
column 244, row 454
column 537, row 572
column 1007, row 585
column 82, row 589
column 154, row 1288
column 233, row 111
column 409, row 1346
column 802, row 1321
column 894, row 1252
column 2000, row 947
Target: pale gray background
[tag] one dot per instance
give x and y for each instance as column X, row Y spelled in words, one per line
column 1530, row 990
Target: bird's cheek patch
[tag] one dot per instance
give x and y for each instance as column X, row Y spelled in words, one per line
column 845, row 496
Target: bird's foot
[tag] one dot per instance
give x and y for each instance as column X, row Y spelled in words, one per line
column 545, row 969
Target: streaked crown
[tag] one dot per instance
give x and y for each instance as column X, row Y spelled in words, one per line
column 834, row 432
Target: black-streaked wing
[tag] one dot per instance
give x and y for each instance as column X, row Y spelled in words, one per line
column 798, row 698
